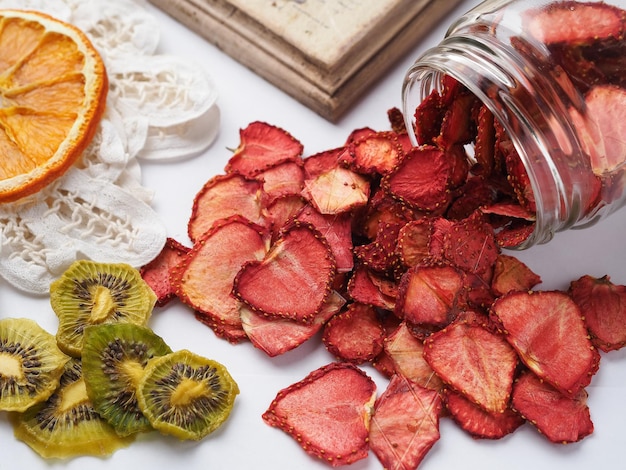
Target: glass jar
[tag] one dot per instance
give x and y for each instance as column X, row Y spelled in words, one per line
column 547, row 70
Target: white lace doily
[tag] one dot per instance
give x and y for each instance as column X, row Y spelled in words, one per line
column 158, row 107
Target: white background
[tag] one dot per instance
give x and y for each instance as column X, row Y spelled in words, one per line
column 245, row 442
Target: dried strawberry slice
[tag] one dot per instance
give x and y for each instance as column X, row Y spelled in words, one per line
column 337, row 190
column 428, row 118
column 282, row 210
column 276, row 336
column 327, row 413
column 458, row 125
column 429, row 295
column 337, row 230
column 406, row 352
column 221, row 197
column 547, row 330
column 574, row 22
column 263, row 146
column 511, row 274
column 405, row 425
column 293, row 280
column 355, row 335
column 285, row 179
column 358, row 134
column 560, row 418
column 380, row 255
column 204, row 278
column 474, row 361
column 376, row 154
column 514, row 234
column 367, row 287
column 480, row 424
column 413, row 245
column 519, row 180
column 603, row 305
column 421, row 179
column 471, row 245
column 601, row 129
column 325, row 161
column 157, row 272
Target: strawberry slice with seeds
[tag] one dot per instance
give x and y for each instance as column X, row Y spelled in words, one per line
column 337, row 230
column 376, row 154
column 355, row 335
column 428, row 295
column 380, row 255
column 603, row 305
column 428, row 118
column 480, row 424
column 562, row 419
column 511, row 274
column 337, row 190
column 547, row 330
column 405, row 425
column 368, row 287
column 574, row 22
column 224, row 196
column 276, row 336
column 421, row 179
column 470, row 244
column 262, row 146
column 204, row 278
column 285, row 179
column 413, row 246
column 282, row 210
column 293, row 280
column 474, row 361
column 157, row 272
column 406, row 352
column 328, row 413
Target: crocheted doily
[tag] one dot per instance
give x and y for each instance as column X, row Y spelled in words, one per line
column 158, row 107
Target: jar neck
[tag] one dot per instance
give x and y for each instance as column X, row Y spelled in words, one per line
column 529, row 105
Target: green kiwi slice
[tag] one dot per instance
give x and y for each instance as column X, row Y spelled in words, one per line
column 186, row 395
column 67, row 425
column 114, row 357
column 31, row 364
column 91, row 293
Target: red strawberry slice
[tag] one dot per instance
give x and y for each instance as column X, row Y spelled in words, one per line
column 204, row 278
column 276, row 336
column 355, row 335
column 327, row 413
column 285, row 179
column 421, row 179
column 470, row 245
column 429, row 295
column 413, row 246
column 574, row 22
column 293, row 280
column 263, row 146
column 474, row 361
column 480, row 424
column 381, row 255
column 221, row 197
column 428, row 118
column 560, row 418
column 337, row 230
column 511, row 274
column 484, row 147
column 405, row 425
column 337, row 190
column 376, row 154
column 367, row 287
column 547, row 330
column 158, row 271
column 603, row 305
column 406, row 352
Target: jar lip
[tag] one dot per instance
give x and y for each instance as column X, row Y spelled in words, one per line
column 466, row 63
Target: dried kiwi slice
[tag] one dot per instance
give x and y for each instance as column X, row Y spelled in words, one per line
column 186, row 395
column 91, row 293
column 114, row 357
column 67, row 425
column 31, row 364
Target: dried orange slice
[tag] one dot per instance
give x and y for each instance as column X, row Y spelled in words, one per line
column 53, row 87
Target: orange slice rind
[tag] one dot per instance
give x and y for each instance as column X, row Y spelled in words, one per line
column 53, row 86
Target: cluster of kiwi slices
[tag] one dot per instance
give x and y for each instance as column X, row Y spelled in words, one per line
column 106, row 376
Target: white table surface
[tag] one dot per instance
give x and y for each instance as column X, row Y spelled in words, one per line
column 245, row 442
